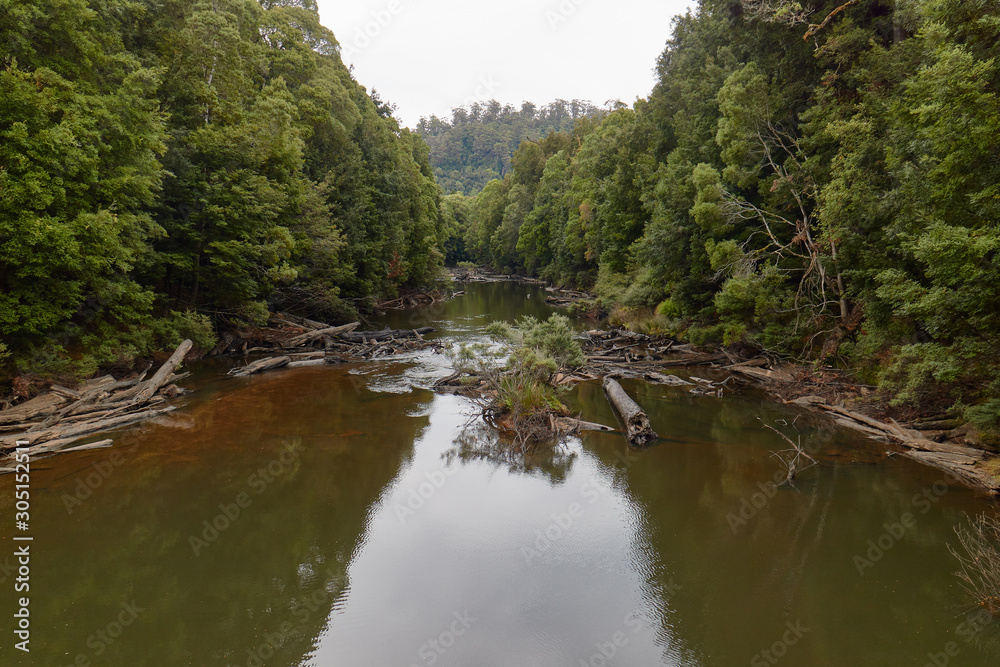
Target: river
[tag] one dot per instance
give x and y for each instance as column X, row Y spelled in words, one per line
column 349, row 516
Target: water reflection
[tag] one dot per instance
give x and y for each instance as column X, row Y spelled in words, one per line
column 479, row 441
column 544, row 560
column 395, row 534
column 263, row 581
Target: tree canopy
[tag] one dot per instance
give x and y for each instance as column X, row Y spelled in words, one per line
column 188, row 164
column 821, row 183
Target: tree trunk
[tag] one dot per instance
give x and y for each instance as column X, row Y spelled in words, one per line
column 310, row 336
column 260, row 366
column 637, row 428
column 153, row 385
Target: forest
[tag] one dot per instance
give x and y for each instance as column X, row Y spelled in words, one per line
column 816, row 183
column 819, row 184
column 172, row 168
column 476, row 146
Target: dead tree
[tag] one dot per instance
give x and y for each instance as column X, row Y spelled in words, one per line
column 637, row 428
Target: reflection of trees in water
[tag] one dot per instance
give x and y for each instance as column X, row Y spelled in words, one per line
column 792, row 555
column 270, row 581
column 479, row 441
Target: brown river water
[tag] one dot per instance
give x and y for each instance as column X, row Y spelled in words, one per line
column 348, row 516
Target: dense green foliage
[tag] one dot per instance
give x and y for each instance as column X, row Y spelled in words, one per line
column 518, row 369
column 168, row 166
column 834, row 198
column 478, row 143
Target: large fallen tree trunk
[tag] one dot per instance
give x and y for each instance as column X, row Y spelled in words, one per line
column 571, row 424
column 958, row 459
column 637, row 428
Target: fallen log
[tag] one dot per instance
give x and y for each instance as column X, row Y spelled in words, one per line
column 772, row 374
column 581, row 425
column 61, row 446
column 36, row 407
column 65, row 392
column 93, row 445
column 960, row 460
column 311, row 336
column 100, row 383
column 693, row 360
column 911, row 439
column 305, row 363
column 259, row 366
column 637, row 428
column 295, row 321
column 304, row 356
column 671, row 380
column 151, row 386
column 113, row 386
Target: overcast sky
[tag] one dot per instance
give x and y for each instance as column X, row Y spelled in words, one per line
column 429, row 56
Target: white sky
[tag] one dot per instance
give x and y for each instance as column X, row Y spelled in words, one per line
column 429, row 56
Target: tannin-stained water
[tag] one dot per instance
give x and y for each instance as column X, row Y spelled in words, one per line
column 347, row 516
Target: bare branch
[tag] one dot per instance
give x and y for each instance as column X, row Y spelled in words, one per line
column 979, row 560
column 791, row 458
column 775, row 11
column 815, row 28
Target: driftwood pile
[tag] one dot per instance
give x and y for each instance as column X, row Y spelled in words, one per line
column 54, row 421
column 417, row 299
column 565, row 298
column 484, row 276
column 634, row 355
column 300, row 342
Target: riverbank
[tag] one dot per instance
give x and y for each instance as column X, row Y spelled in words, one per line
column 847, row 404
column 938, row 439
column 58, row 417
column 289, row 341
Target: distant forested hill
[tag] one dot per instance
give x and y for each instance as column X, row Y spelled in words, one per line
column 477, row 145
